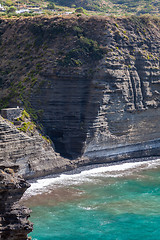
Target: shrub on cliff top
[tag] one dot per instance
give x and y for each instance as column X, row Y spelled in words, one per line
column 11, row 10
column 79, row 10
column 91, row 47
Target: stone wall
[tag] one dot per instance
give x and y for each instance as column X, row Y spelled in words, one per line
column 11, row 113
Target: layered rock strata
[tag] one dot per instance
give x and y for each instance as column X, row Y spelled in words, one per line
column 14, row 224
column 35, row 156
column 97, row 95
column 114, row 110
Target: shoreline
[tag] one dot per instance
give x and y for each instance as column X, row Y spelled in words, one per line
column 86, row 162
column 97, row 165
column 44, row 185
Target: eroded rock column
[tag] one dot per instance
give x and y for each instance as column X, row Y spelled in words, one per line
column 14, row 224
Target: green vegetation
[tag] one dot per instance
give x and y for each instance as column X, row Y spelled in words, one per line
column 11, row 9
column 27, row 126
column 24, row 115
column 115, row 6
column 118, row 7
column 51, row 5
column 79, row 10
column 48, row 140
column 86, row 48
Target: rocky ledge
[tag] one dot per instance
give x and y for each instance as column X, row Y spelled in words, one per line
column 14, row 224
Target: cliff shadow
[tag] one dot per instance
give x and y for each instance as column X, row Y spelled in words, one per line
column 68, row 112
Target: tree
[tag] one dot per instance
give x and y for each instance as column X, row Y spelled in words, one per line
column 11, row 9
column 79, row 10
column 8, row 3
column 51, row 6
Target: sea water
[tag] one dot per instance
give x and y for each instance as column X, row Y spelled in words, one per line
column 119, row 202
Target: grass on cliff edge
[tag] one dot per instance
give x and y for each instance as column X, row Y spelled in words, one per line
column 29, row 127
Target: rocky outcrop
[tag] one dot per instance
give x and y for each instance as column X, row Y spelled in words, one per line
column 97, row 96
column 33, row 154
column 14, row 224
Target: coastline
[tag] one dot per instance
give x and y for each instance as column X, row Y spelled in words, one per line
column 99, row 199
column 44, row 184
column 66, row 165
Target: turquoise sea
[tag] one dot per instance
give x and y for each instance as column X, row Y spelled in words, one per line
column 119, row 202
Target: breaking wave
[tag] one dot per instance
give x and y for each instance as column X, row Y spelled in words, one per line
column 88, row 174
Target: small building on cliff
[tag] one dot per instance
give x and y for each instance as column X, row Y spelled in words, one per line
column 11, row 113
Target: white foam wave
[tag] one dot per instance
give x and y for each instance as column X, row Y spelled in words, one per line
column 87, row 208
column 48, row 183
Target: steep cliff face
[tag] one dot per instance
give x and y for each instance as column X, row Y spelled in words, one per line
column 115, row 108
column 128, row 84
column 33, row 154
column 94, row 84
column 14, row 224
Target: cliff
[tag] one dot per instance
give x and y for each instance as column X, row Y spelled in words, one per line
column 91, row 83
column 33, row 154
column 14, row 224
